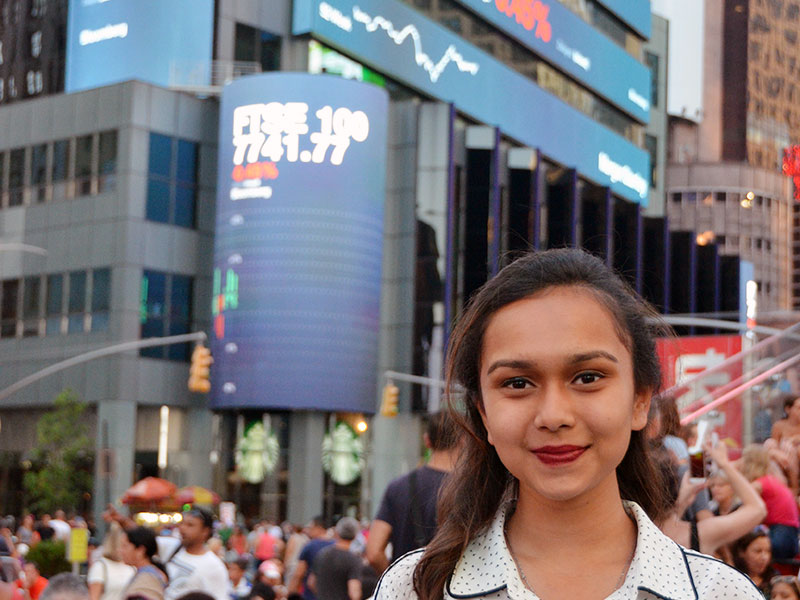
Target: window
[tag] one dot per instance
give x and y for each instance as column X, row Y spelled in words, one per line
column 39, row 172
column 676, row 197
column 55, row 304
column 76, row 302
column 16, row 176
column 8, row 308
column 31, row 304
column 83, row 165
column 166, row 309
column 107, row 162
column 101, row 298
column 652, row 61
column 172, row 181
column 651, row 144
column 719, row 196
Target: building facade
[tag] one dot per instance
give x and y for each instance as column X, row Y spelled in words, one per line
column 506, row 131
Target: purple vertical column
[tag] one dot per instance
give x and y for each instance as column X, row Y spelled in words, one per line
column 575, row 210
column 449, row 277
column 495, row 208
column 609, row 227
column 536, row 203
column 667, row 266
column 639, row 247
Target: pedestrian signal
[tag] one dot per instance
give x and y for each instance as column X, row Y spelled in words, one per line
column 200, row 370
column 389, row 402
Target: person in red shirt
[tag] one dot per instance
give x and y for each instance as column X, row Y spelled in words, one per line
column 33, row 581
column 783, row 519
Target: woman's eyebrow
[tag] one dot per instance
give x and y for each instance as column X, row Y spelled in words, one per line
column 584, row 356
column 572, row 360
column 511, row 364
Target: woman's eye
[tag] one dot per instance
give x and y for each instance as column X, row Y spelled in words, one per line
column 516, row 383
column 588, row 378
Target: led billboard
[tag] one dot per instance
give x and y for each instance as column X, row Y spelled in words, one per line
column 564, row 39
column 165, row 42
column 298, row 246
column 398, row 41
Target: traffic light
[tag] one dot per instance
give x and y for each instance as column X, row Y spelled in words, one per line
column 389, row 401
column 200, row 370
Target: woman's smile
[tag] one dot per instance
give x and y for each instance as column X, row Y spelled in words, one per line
column 559, row 455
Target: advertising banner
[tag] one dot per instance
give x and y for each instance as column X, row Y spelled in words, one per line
column 685, row 357
column 399, row 42
column 298, row 247
column 165, row 42
column 554, row 32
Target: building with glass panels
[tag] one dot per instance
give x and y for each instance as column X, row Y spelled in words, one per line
column 510, row 126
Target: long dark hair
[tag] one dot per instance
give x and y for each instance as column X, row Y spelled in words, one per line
column 473, row 493
column 143, row 537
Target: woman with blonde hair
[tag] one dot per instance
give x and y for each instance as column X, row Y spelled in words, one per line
column 108, row 576
column 782, row 517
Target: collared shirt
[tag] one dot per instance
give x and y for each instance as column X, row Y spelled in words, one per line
column 660, row 570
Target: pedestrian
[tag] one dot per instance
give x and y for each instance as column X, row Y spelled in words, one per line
column 752, row 555
column 336, row 572
column 553, row 366
column 66, row 586
column 139, row 550
column 238, row 586
column 318, row 539
column 712, row 534
column 193, row 567
column 31, row 580
column 109, row 575
column 783, row 517
column 785, row 587
column 406, row 517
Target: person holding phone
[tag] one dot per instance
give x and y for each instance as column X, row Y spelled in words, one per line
column 554, row 366
column 710, row 534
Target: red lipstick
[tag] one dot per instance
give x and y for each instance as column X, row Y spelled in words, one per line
column 558, row 455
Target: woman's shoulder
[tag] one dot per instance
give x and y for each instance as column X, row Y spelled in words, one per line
column 716, row 579
column 397, row 582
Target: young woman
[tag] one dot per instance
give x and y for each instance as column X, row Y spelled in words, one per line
column 139, row 549
column 752, row 555
column 109, row 575
column 551, row 495
column 710, row 534
column 782, row 517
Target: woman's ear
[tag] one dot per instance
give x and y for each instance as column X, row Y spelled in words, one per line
column 482, row 412
column 641, row 408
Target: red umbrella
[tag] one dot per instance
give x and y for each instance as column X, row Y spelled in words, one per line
column 194, row 494
column 149, row 489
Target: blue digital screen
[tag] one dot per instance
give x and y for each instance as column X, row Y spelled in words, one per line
column 165, row 42
column 298, row 245
column 398, row 41
column 635, row 13
column 564, row 39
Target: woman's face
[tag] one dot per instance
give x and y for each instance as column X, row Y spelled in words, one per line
column 558, row 394
column 127, row 551
column 721, row 490
column 783, row 591
column 757, row 555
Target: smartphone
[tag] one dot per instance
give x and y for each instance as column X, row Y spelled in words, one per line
column 697, row 467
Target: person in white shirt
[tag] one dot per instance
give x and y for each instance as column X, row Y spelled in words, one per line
column 60, row 526
column 553, row 494
column 193, row 567
column 108, row 576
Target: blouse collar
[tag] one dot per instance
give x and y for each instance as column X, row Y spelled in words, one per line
column 659, row 565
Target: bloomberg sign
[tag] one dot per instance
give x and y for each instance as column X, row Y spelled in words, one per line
column 165, row 42
column 396, row 40
column 563, row 38
column 298, row 247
